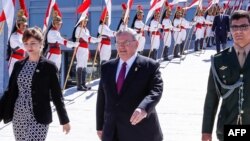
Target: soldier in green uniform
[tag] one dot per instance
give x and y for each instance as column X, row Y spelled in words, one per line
column 229, row 80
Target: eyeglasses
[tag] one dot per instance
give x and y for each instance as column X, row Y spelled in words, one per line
column 239, row 27
column 33, row 44
column 125, row 43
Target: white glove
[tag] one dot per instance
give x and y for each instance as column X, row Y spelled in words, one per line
column 72, row 44
column 98, row 40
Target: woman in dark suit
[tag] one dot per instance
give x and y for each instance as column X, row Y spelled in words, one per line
column 27, row 101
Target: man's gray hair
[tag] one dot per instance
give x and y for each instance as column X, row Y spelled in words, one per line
column 127, row 31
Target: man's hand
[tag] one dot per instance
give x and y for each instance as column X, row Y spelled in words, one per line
column 137, row 116
column 66, row 128
column 99, row 133
column 206, row 137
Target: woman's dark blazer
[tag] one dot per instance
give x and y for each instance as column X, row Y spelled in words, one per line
column 45, row 86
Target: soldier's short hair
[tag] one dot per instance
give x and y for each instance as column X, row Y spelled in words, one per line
column 240, row 14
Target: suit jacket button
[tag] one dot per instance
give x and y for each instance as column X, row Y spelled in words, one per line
column 34, row 103
column 116, row 104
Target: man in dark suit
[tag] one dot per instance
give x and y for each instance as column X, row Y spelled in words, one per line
column 221, row 29
column 229, row 79
column 129, row 89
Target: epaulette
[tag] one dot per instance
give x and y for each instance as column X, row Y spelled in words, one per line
column 225, row 51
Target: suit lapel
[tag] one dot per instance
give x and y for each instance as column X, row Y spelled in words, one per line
column 113, row 76
column 135, row 68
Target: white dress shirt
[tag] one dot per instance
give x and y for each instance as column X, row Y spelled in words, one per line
column 129, row 62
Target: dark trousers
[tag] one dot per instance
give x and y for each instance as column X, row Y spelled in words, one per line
column 220, row 39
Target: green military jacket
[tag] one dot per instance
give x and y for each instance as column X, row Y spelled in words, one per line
column 228, row 69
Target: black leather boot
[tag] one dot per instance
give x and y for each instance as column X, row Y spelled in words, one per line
column 79, row 80
column 208, row 42
column 182, row 49
column 176, row 51
column 84, row 72
column 201, row 43
column 196, row 45
column 165, row 54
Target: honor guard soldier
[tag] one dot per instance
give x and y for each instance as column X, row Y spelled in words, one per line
column 123, row 24
column 140, row 28
column 155, row 33
column 181, row 24
column 167, row 28
column 200, row 22
column 209, row 33
column 106, row 33
column 54, row 40
column 82, row 34
column 16, row 50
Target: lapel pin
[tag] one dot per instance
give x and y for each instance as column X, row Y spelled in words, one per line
column 37, row 71
column 136, row 69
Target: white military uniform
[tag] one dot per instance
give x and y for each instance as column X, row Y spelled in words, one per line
column 82, row 53
column 180, row 34
column 122, row 26
column 199, row 29
column 140, row 27
column 105, row 45
column 209, row 18
column 19, row 54
column 155, row 34
column 167, row 27
column 54, row 41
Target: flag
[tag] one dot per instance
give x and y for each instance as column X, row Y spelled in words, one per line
column 129, row 6
column 177, row 1
column 154, row 4
column 8, row 8
column 211, row 3
column 83, row 8
column 47, row 15
column 23, row 6
column 108, row 6
column 194, row 3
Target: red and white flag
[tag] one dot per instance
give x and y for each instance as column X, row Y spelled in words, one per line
column 177, row 1
column 83, row 8
column 8, row 14
column 47, row 16
column 23, row 6
column 154, row 4
column 129, row 6
column 108, row 6
column 211, row 3
column 194, row 3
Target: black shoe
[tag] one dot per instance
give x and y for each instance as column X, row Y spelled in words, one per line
column 81, row 88
column 166, row 59
column 87, row 87
column 177, row 56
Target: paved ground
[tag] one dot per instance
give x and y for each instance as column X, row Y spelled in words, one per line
column 180, row 109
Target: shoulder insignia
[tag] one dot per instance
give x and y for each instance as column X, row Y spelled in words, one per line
column 223, row 67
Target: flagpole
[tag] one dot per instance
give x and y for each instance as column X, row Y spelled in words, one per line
column 179, row 31
column 97, row 48
column 167, row 36
column 1, row 27
column 73, row 57
column 152, row 41
column 190, row 30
